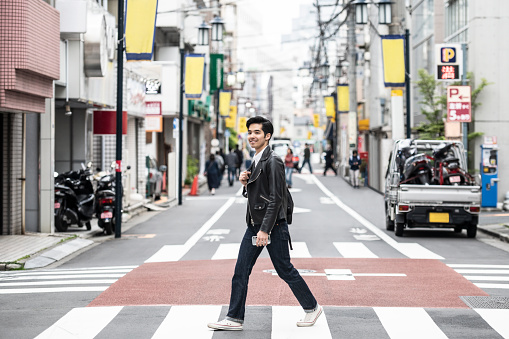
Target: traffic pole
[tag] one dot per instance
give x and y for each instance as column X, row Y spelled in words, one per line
column 120, row 81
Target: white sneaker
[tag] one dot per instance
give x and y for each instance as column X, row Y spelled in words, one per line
column 226, row 325
column 310, row 318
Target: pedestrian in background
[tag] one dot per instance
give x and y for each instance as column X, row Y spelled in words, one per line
column 231, row 162
column 265, row 187
column 247, row 157
column 355, row 162
column 220, row 164
column 307, row 159
column 289, row 167
column 240, row 159
column 212, row 174
column 329, row 159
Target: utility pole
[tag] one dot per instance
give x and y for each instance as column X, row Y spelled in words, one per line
column 120, row 88
column 407, row 85
column 352, row 59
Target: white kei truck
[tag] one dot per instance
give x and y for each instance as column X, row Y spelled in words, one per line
column 434, row 204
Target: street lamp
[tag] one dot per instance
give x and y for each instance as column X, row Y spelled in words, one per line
column 361, row 12
column 230, row 79
column 203, row 34
column 241, row 76
column 384, row 12
column 217, row 28
column 324, row 69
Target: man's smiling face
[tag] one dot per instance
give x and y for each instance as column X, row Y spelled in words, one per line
column 256, row 137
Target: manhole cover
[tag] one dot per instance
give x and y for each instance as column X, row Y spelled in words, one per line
column 487, row 302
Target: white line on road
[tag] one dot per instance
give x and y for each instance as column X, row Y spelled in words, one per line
column 54, row 289
column 474, row 271
column 226, row 251
column 476, row 266
column 67, row 276
column 85, row 272
column 83, row 323
column 354, row 250
column 283, row 324
column 411, row 250
column 488, row 285
column 300, row 250
column 64, row 282
column 188, row 321
column 407, row 322
column 485, row 278
column 496, row 319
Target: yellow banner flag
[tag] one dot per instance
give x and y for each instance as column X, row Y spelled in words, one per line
column 140, row 20
column 193, row 80
column 242, row 125
column 225, row 97
column 343, row 99
column 393, row 55
column 330, row 107
column 316, row 120
column 232, row 119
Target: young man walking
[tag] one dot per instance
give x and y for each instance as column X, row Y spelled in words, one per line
column 265, row 187
column 355, row 162
column 307, row 159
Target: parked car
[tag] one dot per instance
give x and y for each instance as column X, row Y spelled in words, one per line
column 280, row 147
column 154, row 177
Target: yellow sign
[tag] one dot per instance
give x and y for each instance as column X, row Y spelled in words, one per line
column 193, row 82
column 232, row 119
column 364, row 125
column 242, row 125
column 393, row 54
column 343, row 99
column 310, row 135
column 397, row 93
column 330, row 107
column 316, row 120
column 139, row 29
column 225, row 98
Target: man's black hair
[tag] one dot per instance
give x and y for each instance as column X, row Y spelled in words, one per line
column 266, row 124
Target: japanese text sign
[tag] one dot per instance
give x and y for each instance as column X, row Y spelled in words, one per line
column 459, row 104
column 449, row 58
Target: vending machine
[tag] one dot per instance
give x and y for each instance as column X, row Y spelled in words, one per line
column 489, row 175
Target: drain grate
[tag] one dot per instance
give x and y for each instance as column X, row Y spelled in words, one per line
column 487, row 302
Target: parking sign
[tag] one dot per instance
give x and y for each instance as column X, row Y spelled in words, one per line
column 459, row 104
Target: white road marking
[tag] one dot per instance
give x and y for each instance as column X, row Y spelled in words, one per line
column 176, row 252
column 407, row 322
column 213, row 238
column 188, row 322
column 58, row 272
column 227, row 251
column 300, row 250
column 326, row 201
column 496, row 319
column 297, row 210
column 474, row 271
column 83, row 323
column 339, row 274
column 354, row 250
column 476, row 266
column 219, row 231
column 284, row 320
column 54, row 289
column 62, row 270
column 366, row 237
column 66, row 276
column 485, row 278
column 358, row 230
column 488, row 285
column 411, row 250
column 49, row 283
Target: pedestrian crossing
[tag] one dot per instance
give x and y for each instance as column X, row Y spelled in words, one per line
column 484, row 276
column 95, row 279
column 278, row 322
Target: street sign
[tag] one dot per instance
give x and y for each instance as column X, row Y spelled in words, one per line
column 459, row 104
column 449, row 61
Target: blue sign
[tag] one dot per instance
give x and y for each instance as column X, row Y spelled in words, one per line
column 448, row 55
column 175, row 124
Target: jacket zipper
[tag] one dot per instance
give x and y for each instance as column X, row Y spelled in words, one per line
column 267, row 200
column 256, row 177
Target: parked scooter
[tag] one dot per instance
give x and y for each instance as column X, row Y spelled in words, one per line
column 447, row 170
column 417, row 170
column 74, row 199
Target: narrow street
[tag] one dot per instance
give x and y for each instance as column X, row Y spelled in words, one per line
column 170, row 275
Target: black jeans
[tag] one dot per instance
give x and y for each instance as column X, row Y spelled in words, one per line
column 280, row 257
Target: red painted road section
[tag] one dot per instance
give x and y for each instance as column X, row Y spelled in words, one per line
column 428, row 283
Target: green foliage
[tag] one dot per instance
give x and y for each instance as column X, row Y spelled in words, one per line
column 232, row 140
column 473, row 135
column 192, row 169
column 434, row 105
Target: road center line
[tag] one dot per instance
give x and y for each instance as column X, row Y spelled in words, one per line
column 411, row 250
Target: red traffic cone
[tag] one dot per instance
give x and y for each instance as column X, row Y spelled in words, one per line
column 194, row 187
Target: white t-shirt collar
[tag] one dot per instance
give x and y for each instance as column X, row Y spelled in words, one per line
column 258, row 156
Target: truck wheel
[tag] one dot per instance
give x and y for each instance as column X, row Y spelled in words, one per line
column 472, row 231
column 399, row 229
column 389, row 224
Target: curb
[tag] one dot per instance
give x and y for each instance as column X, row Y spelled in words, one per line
column 57, row 253
column 499, row 235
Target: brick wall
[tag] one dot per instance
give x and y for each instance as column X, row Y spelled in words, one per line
column 29, row 54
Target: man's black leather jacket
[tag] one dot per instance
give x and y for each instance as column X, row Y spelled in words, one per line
column 266, row 192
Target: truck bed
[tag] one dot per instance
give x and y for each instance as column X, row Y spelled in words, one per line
column 439, row 195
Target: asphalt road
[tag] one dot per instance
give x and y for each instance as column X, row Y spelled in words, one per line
column 170, row 275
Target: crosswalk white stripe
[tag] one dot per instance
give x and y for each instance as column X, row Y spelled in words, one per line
column 227, row 251
column 69, row 272
column 300, row 250
column 188, row 322
column 489, row 285
column 497, row 319
column 475, row 271
column 53, row 289
column 167, row 253
column 411, row 250
column 407, row 322
column 63, row 282
column 476, row 266
column 85, row 269
column 55, row 277
column 354, row 250
column 284, row 320
column 485, row 278
column 83, row 323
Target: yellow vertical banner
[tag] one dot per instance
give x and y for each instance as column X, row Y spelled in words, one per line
column 316, row 120
column 225, row 97
column 140, row 21
column 343, row 93
column 232, row 119
column 393, row 56
column 242, row 125
column 330, row 107
column 194, row 73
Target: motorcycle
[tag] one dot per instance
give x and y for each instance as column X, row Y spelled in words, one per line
column 417, row 170
column 105, row 203
column 74, row 199
column 447, row 169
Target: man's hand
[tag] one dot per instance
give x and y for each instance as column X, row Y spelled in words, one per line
column 244, row 177
column 261, row 238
